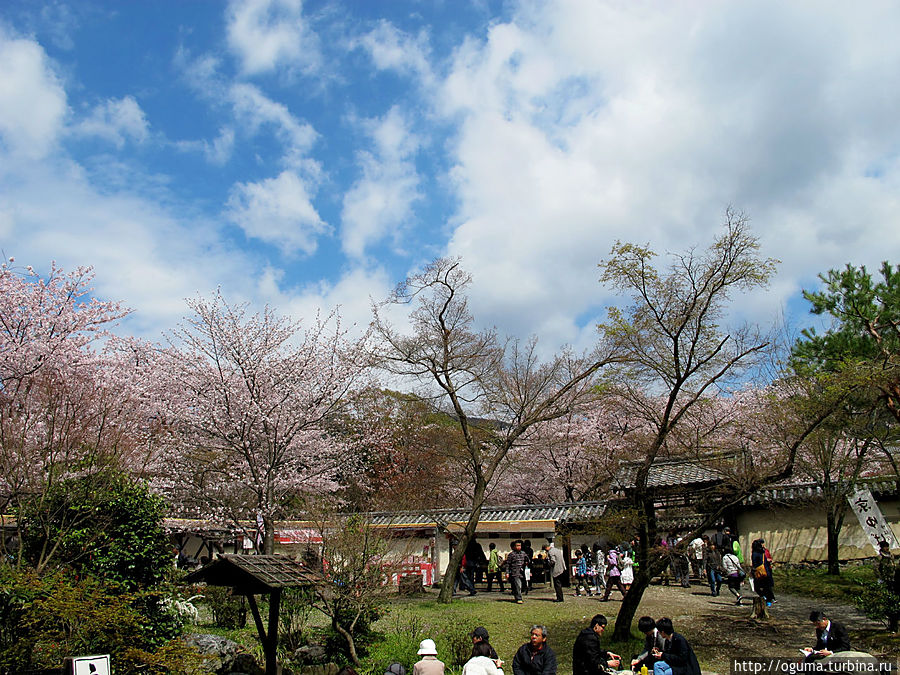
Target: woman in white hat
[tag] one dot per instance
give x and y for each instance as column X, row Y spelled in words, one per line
column 429, row 665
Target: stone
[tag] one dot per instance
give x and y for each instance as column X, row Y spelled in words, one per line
column 220, row 652
column 310, row 654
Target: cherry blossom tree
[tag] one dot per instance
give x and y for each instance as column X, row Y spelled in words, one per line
column 579, row 454
column 74, row 399
column 254, row 401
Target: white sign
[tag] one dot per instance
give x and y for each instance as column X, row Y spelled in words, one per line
column 91, row 665
column 871, row 519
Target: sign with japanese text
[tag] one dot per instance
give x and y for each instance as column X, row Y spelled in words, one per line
column 871, row 519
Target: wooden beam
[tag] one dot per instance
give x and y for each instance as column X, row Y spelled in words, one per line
column 256, row 617
column 271, row 643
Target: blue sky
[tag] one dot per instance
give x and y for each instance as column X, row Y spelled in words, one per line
column 311, row 154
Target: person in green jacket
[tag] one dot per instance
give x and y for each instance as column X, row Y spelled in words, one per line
column 493, row 568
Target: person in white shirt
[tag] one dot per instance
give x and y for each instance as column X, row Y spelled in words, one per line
column 481, row 662
column 734, row 575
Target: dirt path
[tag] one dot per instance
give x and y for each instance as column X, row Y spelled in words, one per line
column 718, row 629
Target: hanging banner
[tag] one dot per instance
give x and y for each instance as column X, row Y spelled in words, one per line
column 871, row 519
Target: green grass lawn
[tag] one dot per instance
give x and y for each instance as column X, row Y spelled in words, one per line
column 815, row 583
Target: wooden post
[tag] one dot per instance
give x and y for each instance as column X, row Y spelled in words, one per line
column 271, row 642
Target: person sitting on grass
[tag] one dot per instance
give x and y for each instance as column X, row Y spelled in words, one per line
column 588, row 657
column 676, row 657
column 653, row 639
column 535, row 657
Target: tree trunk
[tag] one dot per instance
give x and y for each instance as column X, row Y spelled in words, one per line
column 834, row 531
column 446, row 594
column 348, row 636
column 268, row 536
column 759, row 609
column 630, row 604
column 646, row 570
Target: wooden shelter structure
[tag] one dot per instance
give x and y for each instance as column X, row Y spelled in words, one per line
column 253, row 575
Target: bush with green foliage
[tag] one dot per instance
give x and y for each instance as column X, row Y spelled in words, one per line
column 228, row 610
column 293, row 618
column 876, row 600
column 363, row 636
column 47, row 617
column 400, row 641
column 106, row 524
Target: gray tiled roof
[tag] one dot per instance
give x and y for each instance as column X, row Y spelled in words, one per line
column 798, row 492
column 555, row 512
column 670, row 473
column 253, row 573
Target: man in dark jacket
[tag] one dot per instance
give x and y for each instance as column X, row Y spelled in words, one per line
column 515, row 567
column 535, row 657
column 588, row 658
column 831, row 637
column 676, row 657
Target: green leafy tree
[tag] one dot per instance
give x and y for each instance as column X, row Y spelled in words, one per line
column 107, row 524
column 47, row 617
column 862, row 346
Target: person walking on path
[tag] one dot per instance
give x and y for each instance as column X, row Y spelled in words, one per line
column 712, row 561
column 535, row 657
column 557, row 568
column 599, row 569
column 588, row 657
column 581, row 574
column 429, row 665
column 515, row 567
column 493, row 568
column 626, row 562
column 734, row 575
column 762, row 572
column 676, row 657
column 615, row 575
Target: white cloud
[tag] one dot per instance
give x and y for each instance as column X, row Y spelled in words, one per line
column 116, row 120
column 392, row 49
column 380, row 203
column 266, row 34
column 255, row 110
column 32, row 99
column 277, row 211
column 582, row 123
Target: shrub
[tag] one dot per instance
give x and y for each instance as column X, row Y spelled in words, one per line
column 293, row 617
column 228, row 611
column 398, row 644
column 106, row 524
column 44, row 618
column 876, row 600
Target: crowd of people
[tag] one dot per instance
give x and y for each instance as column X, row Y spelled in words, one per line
column 599, row 569
column 664, row 651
